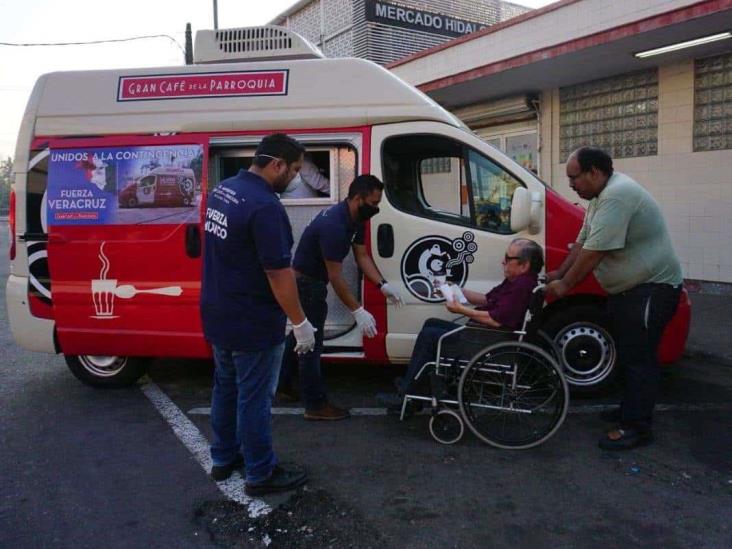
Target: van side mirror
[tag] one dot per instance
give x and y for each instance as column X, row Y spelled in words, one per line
column 520, row 209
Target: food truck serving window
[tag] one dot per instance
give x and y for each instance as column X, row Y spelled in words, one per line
column 325, row 175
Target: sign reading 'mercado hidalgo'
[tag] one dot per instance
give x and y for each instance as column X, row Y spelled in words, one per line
column 201, row 85
column 411, row 18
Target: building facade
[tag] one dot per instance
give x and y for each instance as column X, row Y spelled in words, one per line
column 384, row 31
column 583, row 72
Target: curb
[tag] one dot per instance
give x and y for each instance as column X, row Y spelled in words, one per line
column 698, row 354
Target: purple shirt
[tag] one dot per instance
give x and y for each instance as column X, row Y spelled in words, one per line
column 507, row 302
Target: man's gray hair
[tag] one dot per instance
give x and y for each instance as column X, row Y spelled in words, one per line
column 530, row 251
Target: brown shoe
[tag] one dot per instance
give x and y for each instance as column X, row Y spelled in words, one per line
column 286, row 396
column 327, row 413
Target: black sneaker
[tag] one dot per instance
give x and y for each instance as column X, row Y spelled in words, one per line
column 279, row 481
column 398, row 383
column 625, row 439
column 222, row 472
column 389, row 399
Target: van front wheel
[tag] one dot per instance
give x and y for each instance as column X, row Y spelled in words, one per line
column 584, row 346
column 107, row 371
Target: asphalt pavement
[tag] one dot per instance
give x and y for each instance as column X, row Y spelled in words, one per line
column 89, row 468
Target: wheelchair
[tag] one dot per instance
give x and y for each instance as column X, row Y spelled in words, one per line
column 511, row 394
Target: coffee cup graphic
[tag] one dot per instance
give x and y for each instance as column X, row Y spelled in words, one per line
column 103, row 297
column 104, row 290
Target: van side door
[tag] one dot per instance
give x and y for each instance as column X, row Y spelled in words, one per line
column 446, row 212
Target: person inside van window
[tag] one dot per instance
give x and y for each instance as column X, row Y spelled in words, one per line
column 502, row 308
column 318, row 261
column 309, row 183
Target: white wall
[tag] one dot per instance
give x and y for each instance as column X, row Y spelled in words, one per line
column 694, row 189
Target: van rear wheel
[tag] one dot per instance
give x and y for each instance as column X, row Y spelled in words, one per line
column 107, row 371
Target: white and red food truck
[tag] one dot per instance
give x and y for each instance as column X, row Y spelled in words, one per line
column 112, row 286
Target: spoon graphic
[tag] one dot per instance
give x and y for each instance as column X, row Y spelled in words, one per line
column 127, row 291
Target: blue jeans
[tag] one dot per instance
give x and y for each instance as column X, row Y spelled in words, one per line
column 241, row 409
column 462, row 345
column 313, row 294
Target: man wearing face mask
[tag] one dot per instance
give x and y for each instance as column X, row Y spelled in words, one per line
column 319, row 260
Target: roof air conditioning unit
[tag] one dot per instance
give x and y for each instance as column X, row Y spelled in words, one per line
column 267, row 43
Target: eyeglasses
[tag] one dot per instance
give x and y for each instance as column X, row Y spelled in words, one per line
column 507, row 258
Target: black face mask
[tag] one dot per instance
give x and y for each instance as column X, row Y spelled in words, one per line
column 367, row 211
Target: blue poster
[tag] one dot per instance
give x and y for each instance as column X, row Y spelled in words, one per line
column 125, row 185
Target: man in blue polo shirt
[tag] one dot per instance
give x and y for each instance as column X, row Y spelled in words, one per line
column 318, row 261
column 247, row 291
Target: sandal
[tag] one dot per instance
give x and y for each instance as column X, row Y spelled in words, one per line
column 625, row 439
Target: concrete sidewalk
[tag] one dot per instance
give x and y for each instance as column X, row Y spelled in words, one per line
column 711, row 327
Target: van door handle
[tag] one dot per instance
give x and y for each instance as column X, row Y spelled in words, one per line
column 193, row 241
column 385, row 240
column 37, row 237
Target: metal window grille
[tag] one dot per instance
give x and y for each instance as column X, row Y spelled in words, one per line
column 618, row 114
column 713, row 103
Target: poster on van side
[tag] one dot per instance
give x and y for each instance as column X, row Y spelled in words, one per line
column 125, row 185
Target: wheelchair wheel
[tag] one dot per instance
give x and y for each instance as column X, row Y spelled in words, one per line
column 513, row 395
column 446, row 426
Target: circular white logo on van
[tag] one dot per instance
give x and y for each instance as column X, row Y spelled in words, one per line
column 434, row 257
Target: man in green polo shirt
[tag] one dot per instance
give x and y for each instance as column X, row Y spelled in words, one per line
column 625, row 242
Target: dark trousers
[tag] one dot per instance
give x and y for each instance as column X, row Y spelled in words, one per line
column 463, row 345
column 425, row 349
column 313, row 295
column 639, row 318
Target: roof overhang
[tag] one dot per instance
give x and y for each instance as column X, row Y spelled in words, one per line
column 585, row 58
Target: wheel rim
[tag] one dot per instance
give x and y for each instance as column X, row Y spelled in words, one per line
column 586, row 353
column 513, row 396
column 447, row 427
column 103, row 366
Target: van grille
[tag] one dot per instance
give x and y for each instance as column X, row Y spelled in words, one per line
column 253, row 40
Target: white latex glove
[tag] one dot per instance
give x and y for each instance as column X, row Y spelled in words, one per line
column 392, row 296
column 305, row 337
column 365, row 321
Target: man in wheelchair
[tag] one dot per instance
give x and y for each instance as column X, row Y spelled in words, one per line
column 502, row 308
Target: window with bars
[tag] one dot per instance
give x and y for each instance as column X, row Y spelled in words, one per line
column 713, row 103
column 618, row 114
